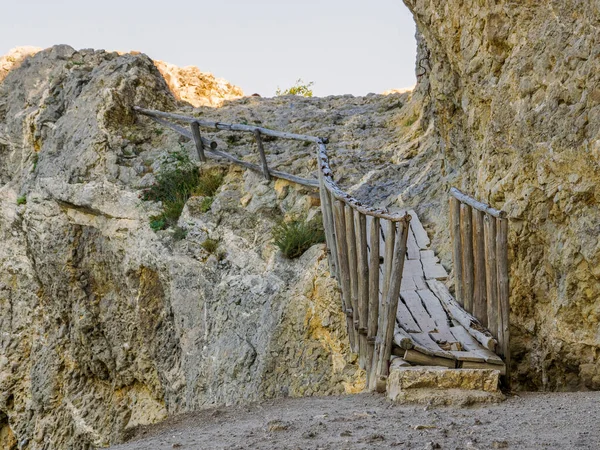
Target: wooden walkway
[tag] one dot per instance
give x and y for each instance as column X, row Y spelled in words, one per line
column 431, row 327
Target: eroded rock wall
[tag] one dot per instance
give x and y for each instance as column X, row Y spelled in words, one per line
column 513, row 91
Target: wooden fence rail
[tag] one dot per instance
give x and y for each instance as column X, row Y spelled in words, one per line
column 480, row 255
column 369, row 276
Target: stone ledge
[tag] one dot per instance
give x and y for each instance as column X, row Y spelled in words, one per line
column 442, row 386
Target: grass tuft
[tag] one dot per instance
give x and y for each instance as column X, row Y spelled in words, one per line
column 295, row 237
column 22, row 200
column 210, row 245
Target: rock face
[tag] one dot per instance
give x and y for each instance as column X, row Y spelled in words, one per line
column 106, row 324
column 197, row 88
column 513, row 91
column 13, row 58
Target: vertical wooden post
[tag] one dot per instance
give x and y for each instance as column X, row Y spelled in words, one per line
column 390, row 239
column 261, row 152
column 389, row 307
column 456, row 248
column 327, row 225
column 503, row 292
column 198, row 141
column 334, row 252
column 466, row 231
column 373, row 297
column 362, row 259
column 491, row 276
column 351, row 243
column 344, row 279
column 479, row 294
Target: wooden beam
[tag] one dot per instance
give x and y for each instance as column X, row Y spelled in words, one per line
column 503, row 292
column 491, row 275
column 479, row 289
column 362, row 263
column 198, row 141
column 263, row 157
column 416, row 357
column 464, row 198
column 456, row 249
column 328, row 226
column 466, row 232
column 374, row 233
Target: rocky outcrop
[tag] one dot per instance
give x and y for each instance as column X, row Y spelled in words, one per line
column 197, row 88
column 106, row 324
column 512, row 90
column 14, row 58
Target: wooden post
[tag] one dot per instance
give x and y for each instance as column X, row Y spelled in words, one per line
column 351, row 243
column 466, row 231
column 195, row 126
column 389, row 307
column 327, row 225
column 344, row 273
column 390, row 239
column 503, row 292
column 456, row 249
column 261, row 152
column 362, row 260
column 373, row 296
column 479, row 294
column 491, row 276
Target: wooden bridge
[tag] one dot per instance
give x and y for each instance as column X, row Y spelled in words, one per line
column 391, row 282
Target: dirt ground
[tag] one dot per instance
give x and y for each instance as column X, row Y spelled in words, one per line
column 368, row 421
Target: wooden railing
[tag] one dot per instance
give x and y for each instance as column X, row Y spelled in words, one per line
column 369, row 274
column 480, row 255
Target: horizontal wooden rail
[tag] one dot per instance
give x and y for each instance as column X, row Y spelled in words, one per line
column 464, row 198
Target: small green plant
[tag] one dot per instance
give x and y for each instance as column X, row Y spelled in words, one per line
column 410, row 121
column 296, row 236
column 206, row 204
column 300, row 88
column 157, row 223
column 208, row 183
column 22, row 200
column 210, row 245
column 35, row 159
column 179, row 233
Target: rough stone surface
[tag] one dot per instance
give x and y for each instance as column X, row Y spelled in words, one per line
column 106, row 325
column 441, row 386
column 512, row 89
column 14, row 58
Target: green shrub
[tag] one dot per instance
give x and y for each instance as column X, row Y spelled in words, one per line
column 300, row 88
column 295, row 237
column 208, row 183
column 179, row 233
column 21, row 200
column 157, row 223
column 210, row 245
column 206, row 204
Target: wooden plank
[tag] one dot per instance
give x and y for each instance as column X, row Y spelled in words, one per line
column 418, row 230
column 425, row 344
column 468, row 356
column 456, row 248
column 374, row 234
column 443, row 338
column 466, row 232
column 416, row 357
column 433, row 270
column 405, row 319
column 503, row 292
column 263, row 157
column 408, row 283
column 412, row 268
column 418, row 311
column 362, row 262
column 456, row 312
column 351, row 245
column 390, row 239
column 389, row 308
column 419, row 282
column 470, row 344
column 413, row 249
column 435, row 309
column 402, row 339
column 399, row 364
column 198, row 141
column 328, row 227
column 491, row 276
column 478, row 365
column 429, row 254
column 479, row 288
column 464, row 198
column 344, row 275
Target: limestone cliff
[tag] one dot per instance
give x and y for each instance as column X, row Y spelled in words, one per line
column 513, row 92
column 106, row 324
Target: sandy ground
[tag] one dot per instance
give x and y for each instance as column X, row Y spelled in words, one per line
column 368, row 421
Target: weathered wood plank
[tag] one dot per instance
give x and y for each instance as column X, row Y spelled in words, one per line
column 328, row 227
column 418, row 311
column 405, row 318
column 435, row 309
column 468, row 356
column 373, row 293
column 362, row 262
column 456, row 248
column 433, row 270
column 402, row 338
column 418, row 230
column 413, row 249
column 491, row 275
column 198, row 141
column 470, row 344
column 344, row 271
column 261, row 152
column 466, row 231
column 503, row 292
column 479, row 288
column 466, row 320
column 429, row 254
column 351, row 245
column 416, row 357
column 425, row 344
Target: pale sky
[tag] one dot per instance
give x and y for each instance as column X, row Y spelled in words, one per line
column 343, row 46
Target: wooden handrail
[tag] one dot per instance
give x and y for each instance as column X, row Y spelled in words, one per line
column 464, row 198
